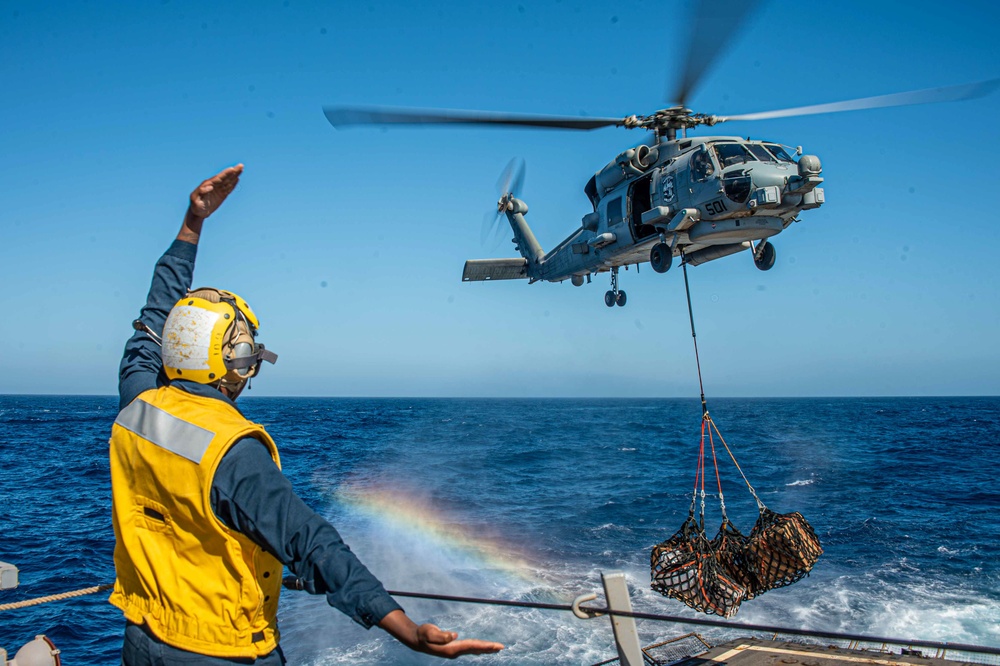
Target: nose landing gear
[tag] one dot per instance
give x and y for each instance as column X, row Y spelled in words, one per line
column 614, row 296
column 661, row 256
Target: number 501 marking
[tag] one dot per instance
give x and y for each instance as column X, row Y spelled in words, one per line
column 715, row 207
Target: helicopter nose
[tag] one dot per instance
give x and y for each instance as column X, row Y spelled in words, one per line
column 809, row 165
column 808, row 177
column 769, row 196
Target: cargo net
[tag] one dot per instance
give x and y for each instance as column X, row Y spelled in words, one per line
column 715, row 576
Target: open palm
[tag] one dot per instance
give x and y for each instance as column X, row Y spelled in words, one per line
column 208, row 196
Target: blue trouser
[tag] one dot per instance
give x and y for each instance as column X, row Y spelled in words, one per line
column 142, row 648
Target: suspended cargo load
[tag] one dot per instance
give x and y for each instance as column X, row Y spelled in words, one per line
column 781, row 549
column 729, row 547
column 716, row 576
column 685, row 567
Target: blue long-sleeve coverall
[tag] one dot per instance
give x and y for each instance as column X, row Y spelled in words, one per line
column 249, row 492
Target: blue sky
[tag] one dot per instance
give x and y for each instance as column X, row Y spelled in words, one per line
column 350, row 244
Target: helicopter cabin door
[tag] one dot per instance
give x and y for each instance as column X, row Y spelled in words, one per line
column 639, row 201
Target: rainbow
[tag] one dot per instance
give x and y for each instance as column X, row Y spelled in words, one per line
column 417, row 519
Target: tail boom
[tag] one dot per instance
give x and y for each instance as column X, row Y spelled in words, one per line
column 526, row 243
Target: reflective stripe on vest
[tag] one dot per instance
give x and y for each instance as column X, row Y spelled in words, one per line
column 165, row 430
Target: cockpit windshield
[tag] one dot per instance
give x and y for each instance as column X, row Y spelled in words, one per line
column 760, row 152
column 729, row 154
column 779, row 152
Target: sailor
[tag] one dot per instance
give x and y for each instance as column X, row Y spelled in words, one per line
column 203, row 517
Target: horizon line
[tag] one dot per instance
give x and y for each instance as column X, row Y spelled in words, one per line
column 543, row 397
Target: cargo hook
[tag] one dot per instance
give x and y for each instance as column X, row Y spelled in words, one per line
column 585, row 614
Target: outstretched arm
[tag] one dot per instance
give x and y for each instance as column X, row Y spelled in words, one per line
column 140, row 366
column 429, row 639
column 251, row 496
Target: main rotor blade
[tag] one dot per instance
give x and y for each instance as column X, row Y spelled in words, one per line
column 342, row 116
column 927, row 96
column 716, row 25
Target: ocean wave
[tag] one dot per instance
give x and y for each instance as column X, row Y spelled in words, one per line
column 610, row 527
column 912, row 607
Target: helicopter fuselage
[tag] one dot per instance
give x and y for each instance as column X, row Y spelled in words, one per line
column 699, row 198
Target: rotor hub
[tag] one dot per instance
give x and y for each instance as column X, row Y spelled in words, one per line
column 504, row 202
column 674, row 118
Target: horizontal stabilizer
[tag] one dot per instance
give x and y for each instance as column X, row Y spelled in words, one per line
column 477, row 270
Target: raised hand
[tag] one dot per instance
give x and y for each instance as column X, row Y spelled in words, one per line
column 208, row 196
column 205, row 200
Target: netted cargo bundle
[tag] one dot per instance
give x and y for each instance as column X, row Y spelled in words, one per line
column 730, row 550
column 781, row 549
column 716, row 576
column 685, row 567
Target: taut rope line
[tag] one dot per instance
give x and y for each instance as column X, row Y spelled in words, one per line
column 687, row 291
column 55, row 597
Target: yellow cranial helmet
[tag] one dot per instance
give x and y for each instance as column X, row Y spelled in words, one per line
column 209, row 338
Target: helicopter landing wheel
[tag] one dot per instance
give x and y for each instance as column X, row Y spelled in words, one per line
column 614, row 295
column 661, row 257
column 764, row 257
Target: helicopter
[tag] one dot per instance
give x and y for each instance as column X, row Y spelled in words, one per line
column 696, row 198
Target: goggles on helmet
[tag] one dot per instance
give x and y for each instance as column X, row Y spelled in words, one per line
column 245, row 355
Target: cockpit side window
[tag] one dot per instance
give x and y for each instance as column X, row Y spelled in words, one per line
column 732, row 153
column 701, row 165
column 779, row 152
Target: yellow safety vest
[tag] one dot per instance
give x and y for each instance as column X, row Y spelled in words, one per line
column 196, row 584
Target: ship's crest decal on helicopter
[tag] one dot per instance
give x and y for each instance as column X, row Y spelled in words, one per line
column 667, row 188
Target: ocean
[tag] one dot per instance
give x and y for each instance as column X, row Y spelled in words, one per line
column 530, row 500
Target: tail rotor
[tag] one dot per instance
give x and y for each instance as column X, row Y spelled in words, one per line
column 509, row 186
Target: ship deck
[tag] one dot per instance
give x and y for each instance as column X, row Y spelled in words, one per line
column 693, row 650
